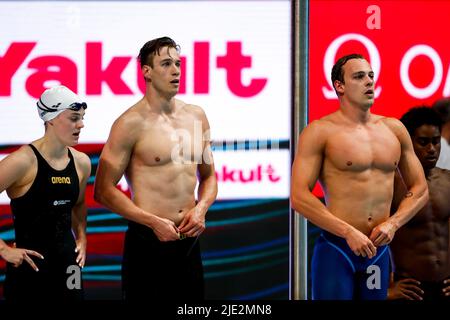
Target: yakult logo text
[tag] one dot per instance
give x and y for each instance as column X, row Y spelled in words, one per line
column 258, row 174
column 65, row 70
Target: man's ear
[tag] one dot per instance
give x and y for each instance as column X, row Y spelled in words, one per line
column 339, row 86
column 146, row 72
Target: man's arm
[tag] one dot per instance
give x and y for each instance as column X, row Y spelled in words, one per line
column 79, row 211
column 417, row 190
column 305, row 173
column 193, row 223
column 399, row 191
column 113, row 162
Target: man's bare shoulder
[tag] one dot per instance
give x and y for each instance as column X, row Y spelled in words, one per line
column 392, row 123
column 192, row 109
column 396, row 126
column 325, row 123
column 443, row 174
column 132, row 118
column 318, row 130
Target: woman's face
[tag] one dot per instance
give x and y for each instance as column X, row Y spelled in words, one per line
column 68, row 126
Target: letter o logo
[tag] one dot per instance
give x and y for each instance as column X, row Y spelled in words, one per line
column 330, row 56
column 409, row 56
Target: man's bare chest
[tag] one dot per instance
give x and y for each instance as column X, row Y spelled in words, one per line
column 359, row 150
column 168, row 144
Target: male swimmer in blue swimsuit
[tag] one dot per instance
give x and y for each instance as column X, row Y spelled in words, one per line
column 354, row 154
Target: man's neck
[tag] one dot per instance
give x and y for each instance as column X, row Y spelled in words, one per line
column 355, row 114
column 159, row 103
column 429, row 172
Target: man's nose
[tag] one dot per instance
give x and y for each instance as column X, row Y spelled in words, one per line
column 431, row 148
column 176, row 69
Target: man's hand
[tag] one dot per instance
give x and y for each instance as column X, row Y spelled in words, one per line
column 446, row 289
column 360, row 244
column 383, row 233
column 81, row 250
column 405, row 289
column 165, row 230
column 16, row 256
column 193, row 223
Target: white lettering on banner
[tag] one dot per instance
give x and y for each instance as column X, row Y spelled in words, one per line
column 410, row 55
column 330, row 56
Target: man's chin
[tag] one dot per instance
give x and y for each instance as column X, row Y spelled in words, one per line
column 369, row 104
column 429, row 164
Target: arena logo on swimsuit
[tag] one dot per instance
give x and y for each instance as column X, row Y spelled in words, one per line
column 405, row 67
column 65, row 70
column 60, row 180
